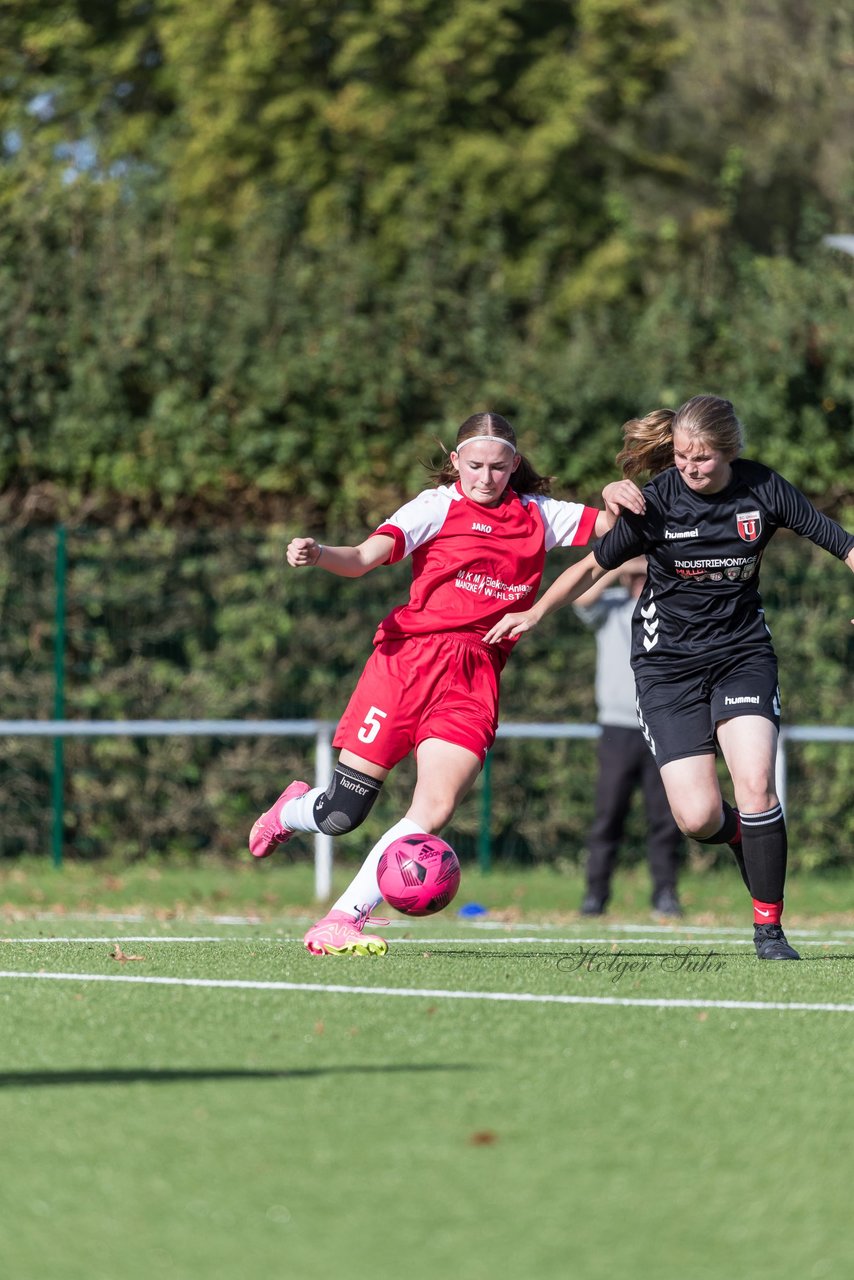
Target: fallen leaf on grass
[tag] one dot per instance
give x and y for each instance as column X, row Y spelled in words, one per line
column 482, row 1138
column 120, row 955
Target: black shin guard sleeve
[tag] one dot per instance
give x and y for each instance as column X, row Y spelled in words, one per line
column 346, row 802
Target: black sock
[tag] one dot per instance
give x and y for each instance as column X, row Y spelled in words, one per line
column 729, row 833
column 728, row 830
column 765, row 848
column 737, row 850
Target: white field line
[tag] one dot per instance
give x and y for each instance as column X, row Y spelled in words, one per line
column 428, row 993
column 6, row 940
column 661, row 931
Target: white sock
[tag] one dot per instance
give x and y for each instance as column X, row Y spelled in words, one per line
column 298, row 814
column 363, row 891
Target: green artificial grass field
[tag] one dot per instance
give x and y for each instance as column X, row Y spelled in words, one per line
column 187, row 1093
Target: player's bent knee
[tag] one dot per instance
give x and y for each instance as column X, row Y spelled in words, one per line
column 346, row 802
column 697, row 825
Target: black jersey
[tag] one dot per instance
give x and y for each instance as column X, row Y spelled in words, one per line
column 704, row 550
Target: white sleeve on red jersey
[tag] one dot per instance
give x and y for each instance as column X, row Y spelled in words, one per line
column 566, row 524
column 418, row 520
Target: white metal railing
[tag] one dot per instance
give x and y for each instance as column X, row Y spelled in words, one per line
column 322, row 731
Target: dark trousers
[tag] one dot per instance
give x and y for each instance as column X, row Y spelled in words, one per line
column 626, row 763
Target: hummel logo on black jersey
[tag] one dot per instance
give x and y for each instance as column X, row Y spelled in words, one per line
column 681, row 533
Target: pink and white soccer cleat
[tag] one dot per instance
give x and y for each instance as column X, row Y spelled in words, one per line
column 268, row 830
column 339, row 934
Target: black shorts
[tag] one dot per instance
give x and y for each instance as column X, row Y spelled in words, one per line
column 678, row 711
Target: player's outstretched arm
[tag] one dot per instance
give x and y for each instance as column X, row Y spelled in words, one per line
column 637, row 565
column 573, row 582
column 346, row 562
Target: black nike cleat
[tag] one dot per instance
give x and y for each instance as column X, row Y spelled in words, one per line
column 770, row 943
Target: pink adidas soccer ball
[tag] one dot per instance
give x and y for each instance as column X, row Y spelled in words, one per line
column 418, row 874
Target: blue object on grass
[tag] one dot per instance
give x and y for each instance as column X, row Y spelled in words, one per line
column 472, row 909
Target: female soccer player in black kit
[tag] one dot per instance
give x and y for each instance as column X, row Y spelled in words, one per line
column 705, row 669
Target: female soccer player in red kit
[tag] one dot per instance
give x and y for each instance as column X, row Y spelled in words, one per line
column 705, row 669
column 478, row 543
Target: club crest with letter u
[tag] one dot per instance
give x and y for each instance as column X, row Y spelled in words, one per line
column 749, row 525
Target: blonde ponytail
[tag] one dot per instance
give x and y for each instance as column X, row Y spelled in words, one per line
column 647, row 444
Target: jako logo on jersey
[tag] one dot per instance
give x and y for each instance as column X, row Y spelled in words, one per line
column 482, row 528
column 749, row 525
column 681, row 533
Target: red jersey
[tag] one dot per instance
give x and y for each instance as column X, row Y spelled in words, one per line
column 471, row 564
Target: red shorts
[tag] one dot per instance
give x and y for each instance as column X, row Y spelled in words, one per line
column 433, row 686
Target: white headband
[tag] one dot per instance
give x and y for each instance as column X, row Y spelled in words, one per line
column 495, row 439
